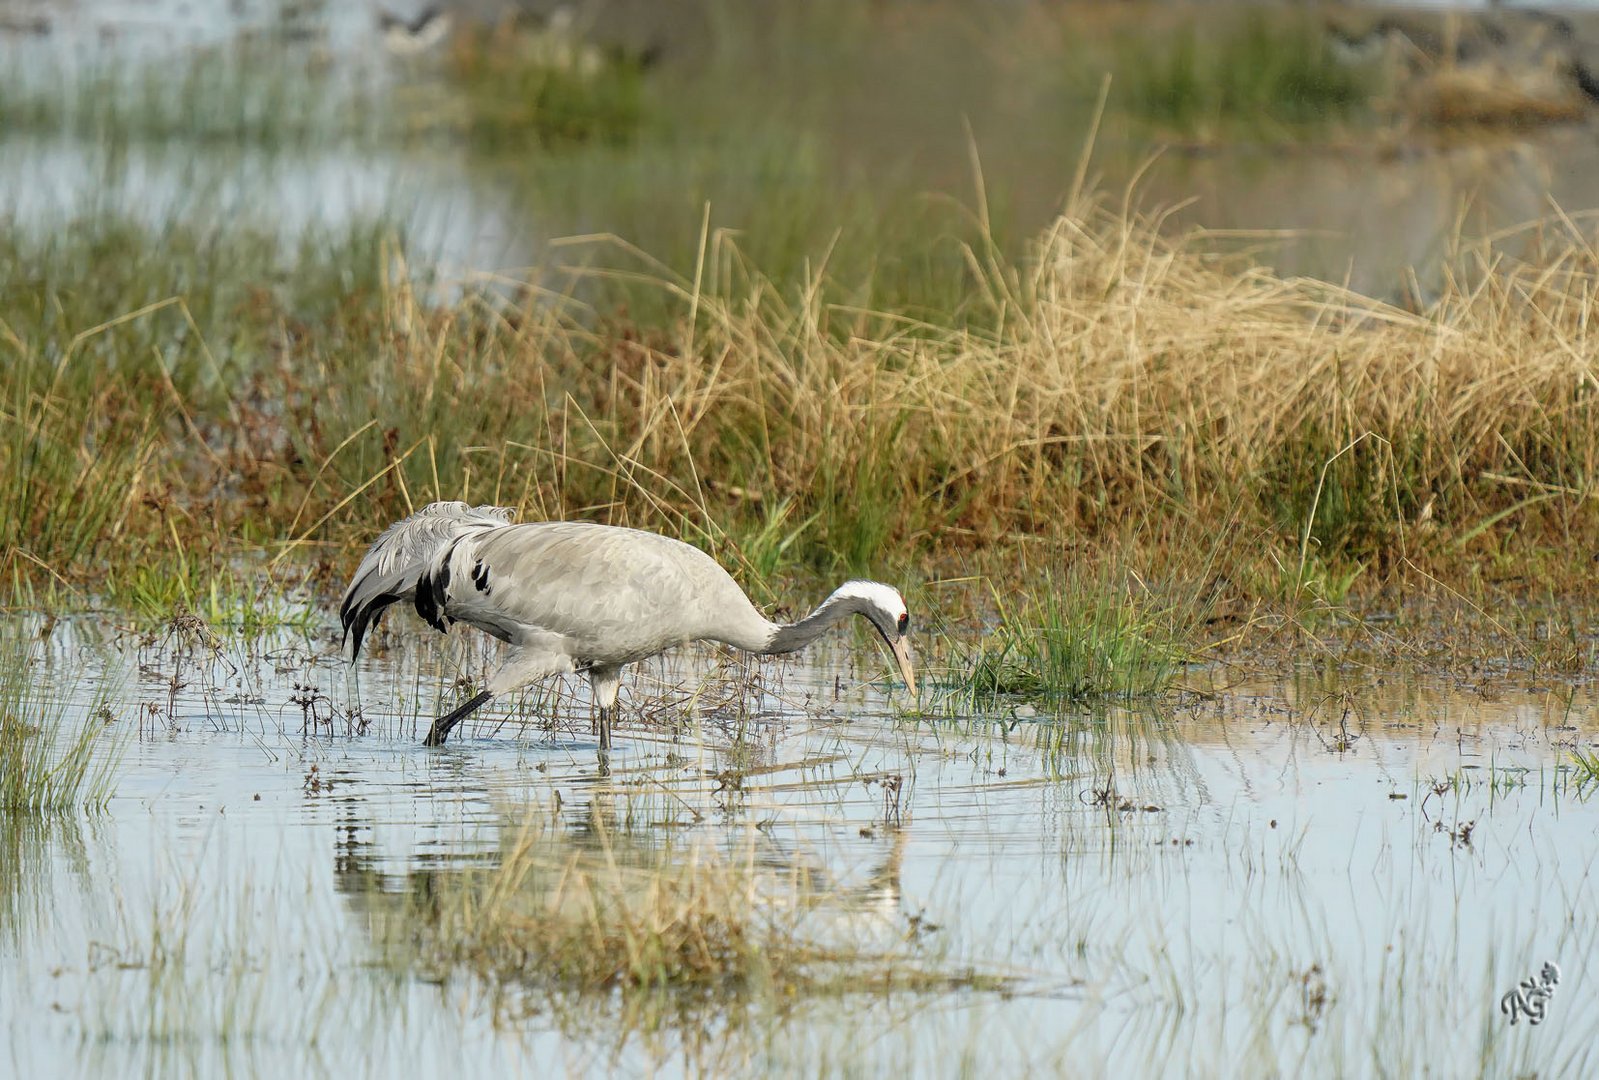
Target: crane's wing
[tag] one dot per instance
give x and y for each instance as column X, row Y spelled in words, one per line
column 401, row 555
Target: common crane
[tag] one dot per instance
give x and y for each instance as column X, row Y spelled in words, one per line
column 573, row 596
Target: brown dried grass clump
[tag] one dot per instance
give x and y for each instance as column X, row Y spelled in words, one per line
column 1493, row 95
column 1122, row 380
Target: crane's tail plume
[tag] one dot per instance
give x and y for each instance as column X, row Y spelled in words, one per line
column 400, row 557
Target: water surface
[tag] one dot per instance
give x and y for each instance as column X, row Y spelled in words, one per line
column 1252, row 879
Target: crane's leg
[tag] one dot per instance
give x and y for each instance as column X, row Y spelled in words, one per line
column 522, row 667
column 442, row 726
column 606, row 681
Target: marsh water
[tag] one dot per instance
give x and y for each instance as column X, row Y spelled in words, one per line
column 1331, row 873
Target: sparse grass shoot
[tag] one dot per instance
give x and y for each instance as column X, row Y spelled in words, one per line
column 54, row 754
column 1585, row 766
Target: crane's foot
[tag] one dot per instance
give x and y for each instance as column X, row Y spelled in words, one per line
column 441, row 727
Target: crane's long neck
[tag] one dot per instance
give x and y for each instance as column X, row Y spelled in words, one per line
column 828, row 614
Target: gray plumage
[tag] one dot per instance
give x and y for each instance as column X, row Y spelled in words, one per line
column 579, row 597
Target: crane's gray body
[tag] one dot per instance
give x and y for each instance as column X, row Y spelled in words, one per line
column 571, row 595
column 578, row 597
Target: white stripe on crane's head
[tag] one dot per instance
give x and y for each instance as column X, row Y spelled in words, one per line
column 884, row 597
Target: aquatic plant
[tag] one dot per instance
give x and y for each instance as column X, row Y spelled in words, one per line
column 244, row 93
column 54, row 754
column 1076, row 637
column 515, row 85
column 1585, row 767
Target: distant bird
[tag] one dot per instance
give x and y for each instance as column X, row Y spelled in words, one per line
column 410, row 37
column 572, row 596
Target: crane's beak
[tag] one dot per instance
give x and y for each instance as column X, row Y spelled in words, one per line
column 907, row 666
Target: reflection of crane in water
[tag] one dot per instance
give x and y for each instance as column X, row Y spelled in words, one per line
column 413, row 903
column 575, row 597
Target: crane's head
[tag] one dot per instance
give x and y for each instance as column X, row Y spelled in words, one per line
column 885, row 609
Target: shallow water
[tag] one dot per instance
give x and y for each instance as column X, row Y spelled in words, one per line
column 1274, row 884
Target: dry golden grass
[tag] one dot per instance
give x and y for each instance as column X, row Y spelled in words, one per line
column 1125, row 381
column 1492, row 96
column 1119, row 386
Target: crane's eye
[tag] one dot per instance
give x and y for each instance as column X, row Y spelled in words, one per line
column 904, row 623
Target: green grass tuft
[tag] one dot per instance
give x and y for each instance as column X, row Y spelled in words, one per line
column 52, row 757
column 1586, row 767
column 1079, row 638
column 1264, row 70
column 513, row 86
